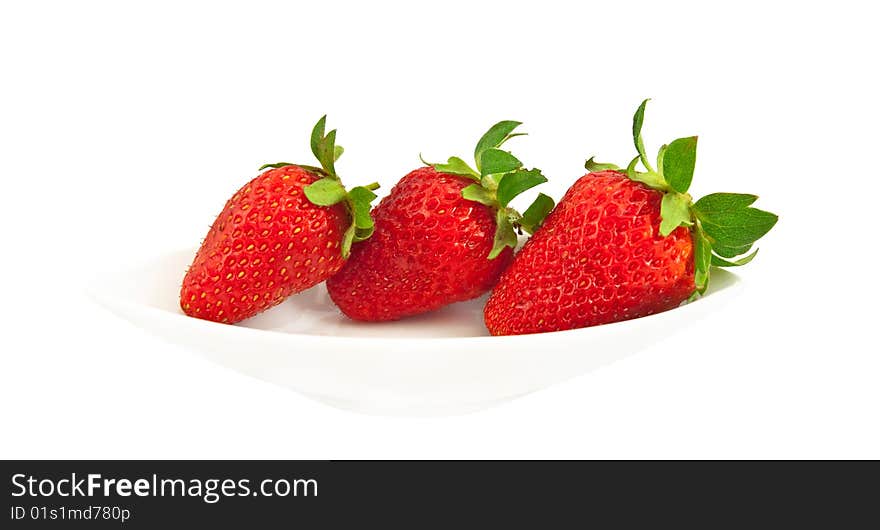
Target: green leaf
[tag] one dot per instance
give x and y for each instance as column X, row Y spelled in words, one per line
column 505, row 235
column 516, row 182
column 347, row 240
column 324, row 147
column 478, row 193
column 325, row 192
column 534, row 215
column 737, row 228
column 723, row 202
column 495, row 137
column 328, row 153
column 496, row 161
column 660, row 155
column 361, row 198
column 678, row 163
column 337, row 152
column 362, row 194
column 631, row 168
column 674, row 212
column 456, row 166
column 721, row 262
column 702, row 259
column 362, row 234
column 313, row 169
column 638, row 119
column 276, row 165
column 317, row 136
column 730, row 252
column 732, row 223
column 592, row 165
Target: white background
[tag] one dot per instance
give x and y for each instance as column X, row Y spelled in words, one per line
column 124, row 128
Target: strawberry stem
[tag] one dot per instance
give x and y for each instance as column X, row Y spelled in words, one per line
column 329, row 190
column 498, row 179
column 723, row 226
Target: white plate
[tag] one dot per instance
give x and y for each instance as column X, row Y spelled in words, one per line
column 436, row 364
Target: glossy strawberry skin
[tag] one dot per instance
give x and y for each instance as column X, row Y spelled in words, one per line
column 268, row 243
column 430, row 249
column 597, row 259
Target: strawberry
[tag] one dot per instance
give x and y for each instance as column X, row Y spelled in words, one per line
column 444, row 234
column 288, row 229
column 623, row 244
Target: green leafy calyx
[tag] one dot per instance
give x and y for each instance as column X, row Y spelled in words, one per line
column 723, row 226
column 499, row 177
column 329, row 190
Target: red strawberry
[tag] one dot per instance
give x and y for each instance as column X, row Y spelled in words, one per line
column 285, row 231
column 623, row 244
column 444, row 234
